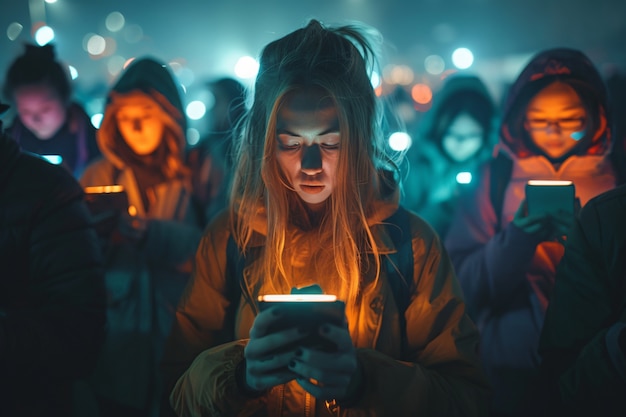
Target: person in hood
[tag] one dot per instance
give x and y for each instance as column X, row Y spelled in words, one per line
column 555, row 126
column 456, row 139
column 150, row 250
column 48, row 122
column 312, row 194
column 52, row 307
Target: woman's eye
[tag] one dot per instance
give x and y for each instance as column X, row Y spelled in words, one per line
column 288, row 146
column 330, row 146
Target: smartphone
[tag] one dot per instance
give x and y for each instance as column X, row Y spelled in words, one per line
column 550, row 196
column 53, row 159
column 308, row 311
column 106, row 199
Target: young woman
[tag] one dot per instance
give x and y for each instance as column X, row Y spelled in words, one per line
column 311, row 195
column 48, row 122
column 554, row 127
column 149, row 252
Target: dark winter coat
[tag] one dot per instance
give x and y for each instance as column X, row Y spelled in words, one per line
column 52, row 311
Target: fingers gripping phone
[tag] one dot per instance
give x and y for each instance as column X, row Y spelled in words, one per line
column 551, row 197
column 308, row 312
column 106, row 204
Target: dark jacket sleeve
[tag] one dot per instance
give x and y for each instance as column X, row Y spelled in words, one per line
column 54, row 324
column 582, row 362
column 490, row 262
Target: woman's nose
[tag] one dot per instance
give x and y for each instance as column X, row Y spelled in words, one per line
column 137, row 124
column 311, row 159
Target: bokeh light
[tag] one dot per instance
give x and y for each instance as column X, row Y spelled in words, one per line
column 400, row 141
column 195, row 110
column 44, row 35
column 193, row 136
column 96, row 45
column 133, row 33
column 462, row 58
column 73, row 72
column 398, row 74
column 246, row 67
column 115, row 21
column 421, row 93
column 434, row 64
column 375, row 79
column 14, row 30
column 96, row 120
column 115, row 64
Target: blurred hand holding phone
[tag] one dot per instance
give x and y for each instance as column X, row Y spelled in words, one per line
column 548, row 210
column 106, row 204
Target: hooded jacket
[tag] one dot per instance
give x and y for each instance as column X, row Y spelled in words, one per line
column 437, row 374
column 52, row 312
column 144, row 278
column 431, row 186
column 507, row 275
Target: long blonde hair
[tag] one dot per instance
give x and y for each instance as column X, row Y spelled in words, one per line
column 337, row 60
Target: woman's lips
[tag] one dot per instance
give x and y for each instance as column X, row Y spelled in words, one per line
column 312, row 189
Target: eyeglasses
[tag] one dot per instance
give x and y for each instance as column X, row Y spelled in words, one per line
column 576, row 123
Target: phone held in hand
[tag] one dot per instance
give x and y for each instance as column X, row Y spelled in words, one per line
column 307, row 312
column 106, row 198
column 550, row 196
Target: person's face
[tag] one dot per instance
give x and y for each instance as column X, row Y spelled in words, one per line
column 140, row 126
column 40, row 109
column 463, row 138
column 308, row 144
column 555, row 119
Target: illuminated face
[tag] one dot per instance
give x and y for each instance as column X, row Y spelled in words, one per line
column 555, row 119
column 40, row 109
column 140, row 126
column 463, row 138
column 308, row 144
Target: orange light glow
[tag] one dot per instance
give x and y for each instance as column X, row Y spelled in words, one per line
column 104, row 189
column 549, row 182
column 421, row 93
column 320, row 298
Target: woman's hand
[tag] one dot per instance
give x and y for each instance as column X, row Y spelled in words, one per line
column 328, row 375
column 545, row 226
column 532, row 225
column 269, row 354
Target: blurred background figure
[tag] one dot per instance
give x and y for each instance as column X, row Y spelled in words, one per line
column 48, row 122
column 211, row 160
column 555, row 126
column 52, row 308
column 583, row 340
column 456, row 137
column 149, row 253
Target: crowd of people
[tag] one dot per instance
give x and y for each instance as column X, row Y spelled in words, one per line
column 135, row 266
